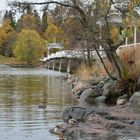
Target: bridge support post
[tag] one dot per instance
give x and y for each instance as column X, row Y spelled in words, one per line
column 126, row 41
column 68, row 66
column 60, row 65
column 53, row 64
column 48, row 64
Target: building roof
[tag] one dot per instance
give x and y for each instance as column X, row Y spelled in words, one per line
column 54, row 45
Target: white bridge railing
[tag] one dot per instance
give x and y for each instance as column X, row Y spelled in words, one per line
column 81, row 54
column 128, row 46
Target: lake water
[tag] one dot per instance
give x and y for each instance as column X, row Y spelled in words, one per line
column 22, row 90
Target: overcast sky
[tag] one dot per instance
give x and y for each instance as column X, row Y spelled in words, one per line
column 4, row 5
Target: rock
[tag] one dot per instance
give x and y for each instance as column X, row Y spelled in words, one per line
column 112, row 90
column 137, row 123
column 89, row 95
column 107, row 88
column 75, row 84
column 94, row 81
column 117, row 125
column 100, row 99
column 78, row 93
column 123, row 97
column 134, row 101
column 80, row 113
column 101, row 83
column 100, row 124
column 70, row 81
column 121, row 101
column 77, row 113
column 80, row 86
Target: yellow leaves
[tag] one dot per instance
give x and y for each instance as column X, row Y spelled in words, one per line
column 55, row 34
column 130, row 31
column 134, row 2
column 2, row 36
column 5, row 31
column 29, row 46
column 131, row 5
column 114, row 33
column 102, row 6
column 29, row 22
column 127, row 21
column 138, row 23
column 6, row 26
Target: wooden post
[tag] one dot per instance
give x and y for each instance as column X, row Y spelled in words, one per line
column 68, row 66
column 53, row 64
column 48, row 64
column 126, row 41
column 60, row 65
column 135, row 35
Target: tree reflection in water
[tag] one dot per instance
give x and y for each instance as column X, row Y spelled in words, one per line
column 21, row 91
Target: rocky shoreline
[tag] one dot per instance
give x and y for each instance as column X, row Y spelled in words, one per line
column 108, row 123
column 120, row 121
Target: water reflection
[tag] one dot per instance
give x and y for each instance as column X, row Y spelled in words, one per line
column 21, row 91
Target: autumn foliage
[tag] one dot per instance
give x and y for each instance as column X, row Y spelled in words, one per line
column 29, row 46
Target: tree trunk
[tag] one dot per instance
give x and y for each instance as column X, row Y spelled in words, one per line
column 116, row 63
column 104, row 65
column 89, row 59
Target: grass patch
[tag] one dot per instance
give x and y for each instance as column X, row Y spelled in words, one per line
column 131, row 59
column 9, row 60
column 85, row 73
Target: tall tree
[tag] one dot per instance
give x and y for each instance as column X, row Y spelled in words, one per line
column 9, row 15
column 44, row 19
column 37, row 21
column 29, row 21
column 29, row 46
column 54, row 34
column 7, row 38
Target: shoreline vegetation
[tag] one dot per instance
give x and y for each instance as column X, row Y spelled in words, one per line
column 11, row 61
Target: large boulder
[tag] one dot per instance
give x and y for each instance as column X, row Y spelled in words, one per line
column 107, row 88
column 100, row 100
column 89, row 95
column 112, row 90
column 122, row 100
column 75, row 112
column 94, row 80
column 80, row 86
column 134, row 101
column 81, row 113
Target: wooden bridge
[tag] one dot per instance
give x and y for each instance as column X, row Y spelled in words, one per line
column 69, row 60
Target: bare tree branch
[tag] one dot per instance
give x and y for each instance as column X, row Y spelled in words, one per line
column 40, row 3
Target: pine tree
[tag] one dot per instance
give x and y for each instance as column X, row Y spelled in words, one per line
column 37, row 21
column 44, row 20
column 9, row 16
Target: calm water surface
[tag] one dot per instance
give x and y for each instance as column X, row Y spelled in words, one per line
column 21, row 91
